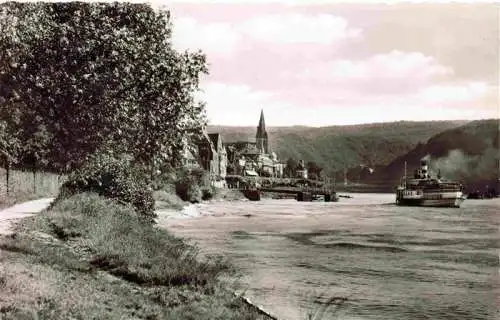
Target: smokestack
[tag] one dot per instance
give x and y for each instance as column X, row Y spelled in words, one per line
column 423, row 167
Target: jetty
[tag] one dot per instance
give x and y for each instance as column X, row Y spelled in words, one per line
column 304, row 193
column 254, row 191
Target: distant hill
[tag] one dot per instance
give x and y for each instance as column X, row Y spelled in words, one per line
column 332, row 147
column 469, row 153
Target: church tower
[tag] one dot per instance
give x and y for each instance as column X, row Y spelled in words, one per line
column 261, row 136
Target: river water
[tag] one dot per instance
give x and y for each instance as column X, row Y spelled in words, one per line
column 384, row 261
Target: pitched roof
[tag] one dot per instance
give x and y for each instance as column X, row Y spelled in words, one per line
column 204, row 139
column 215, row 138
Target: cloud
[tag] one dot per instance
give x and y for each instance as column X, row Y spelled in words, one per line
column 299, row 28
column 305, row 65
column 410, row 95
column 300, row 3
column 450, row 93
column 224, row 38
column 393, row 72
column 230, row 104
column 213, row 38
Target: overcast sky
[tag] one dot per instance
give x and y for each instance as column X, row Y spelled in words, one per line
column 320, row 63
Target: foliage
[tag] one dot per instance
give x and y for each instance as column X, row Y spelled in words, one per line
column 290, row 168
column 167, row 200
column 207, row 192
column 193, row 185
column 78, row 78
column 313, row 170
column 115, row 179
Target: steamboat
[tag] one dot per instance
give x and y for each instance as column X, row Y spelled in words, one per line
column 426, row 191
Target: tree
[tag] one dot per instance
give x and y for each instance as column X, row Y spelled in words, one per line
column 99, row 78
column 10, row 140
column 314, row 170
column 291, row 168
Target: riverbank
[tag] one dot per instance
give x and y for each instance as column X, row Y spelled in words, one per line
column 90, row 258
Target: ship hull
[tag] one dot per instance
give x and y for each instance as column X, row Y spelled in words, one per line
column 252, row 194
column 448, row 203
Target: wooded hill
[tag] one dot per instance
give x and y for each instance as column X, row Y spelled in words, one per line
column 333, row 147
column 467, row 151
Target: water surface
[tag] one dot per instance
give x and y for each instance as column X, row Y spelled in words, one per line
column 380, row 260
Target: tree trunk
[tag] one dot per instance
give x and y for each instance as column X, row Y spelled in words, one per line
column 7, row 174
column 34, row 180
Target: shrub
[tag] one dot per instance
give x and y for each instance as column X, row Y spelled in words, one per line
column 193, row 185
column 115, row 179
column 207, row 192
column 167, row 200
column 165, row 179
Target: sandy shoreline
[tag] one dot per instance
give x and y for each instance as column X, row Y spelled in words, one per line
column 191, row 210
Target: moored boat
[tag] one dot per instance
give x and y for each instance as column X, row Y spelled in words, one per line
column 426, row 191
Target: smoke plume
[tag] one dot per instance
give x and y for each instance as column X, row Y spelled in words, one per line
column 459, row 166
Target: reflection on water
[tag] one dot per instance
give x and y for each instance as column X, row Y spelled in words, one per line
column 389, row 262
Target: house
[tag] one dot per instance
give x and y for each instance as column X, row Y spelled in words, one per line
column 301, row 173
column 279, row 168
column 220, row 158
column 190, row 154
column 189, row 158
column 253, row 156
column 245, row 158
column 237, row 149
column 301, row 170
column 207, row 155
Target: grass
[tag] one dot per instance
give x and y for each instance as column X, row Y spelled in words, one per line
column 167, row 200
column 23, row 186
column 90, row 258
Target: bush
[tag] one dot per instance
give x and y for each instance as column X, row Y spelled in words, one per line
column 165, row 179
column 207, row 192
column 193, row 185
column 167, row 200
column 115, row 179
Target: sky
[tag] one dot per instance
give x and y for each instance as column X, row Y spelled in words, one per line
column 320, row 63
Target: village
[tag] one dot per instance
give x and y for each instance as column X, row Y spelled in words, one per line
column 253, row 157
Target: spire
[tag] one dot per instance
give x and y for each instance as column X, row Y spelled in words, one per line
column 262, row 122
column 261, row 136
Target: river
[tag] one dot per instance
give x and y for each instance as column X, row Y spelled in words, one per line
column 384, row 261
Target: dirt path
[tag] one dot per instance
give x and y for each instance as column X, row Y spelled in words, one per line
column 10, row 215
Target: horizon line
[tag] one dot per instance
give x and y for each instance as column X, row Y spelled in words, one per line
column 353, row 124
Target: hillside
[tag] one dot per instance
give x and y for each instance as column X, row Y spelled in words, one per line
column 332, row 147
column 469, row 153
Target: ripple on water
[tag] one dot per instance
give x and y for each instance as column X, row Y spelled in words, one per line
column 390, row 262
column 240, row 234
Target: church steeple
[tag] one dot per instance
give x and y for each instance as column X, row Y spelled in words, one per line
column 262, row 122
column 261, row 136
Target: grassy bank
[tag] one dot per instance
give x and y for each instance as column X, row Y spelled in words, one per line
column 25, row 186
column 90, row 258
column 167, row 199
